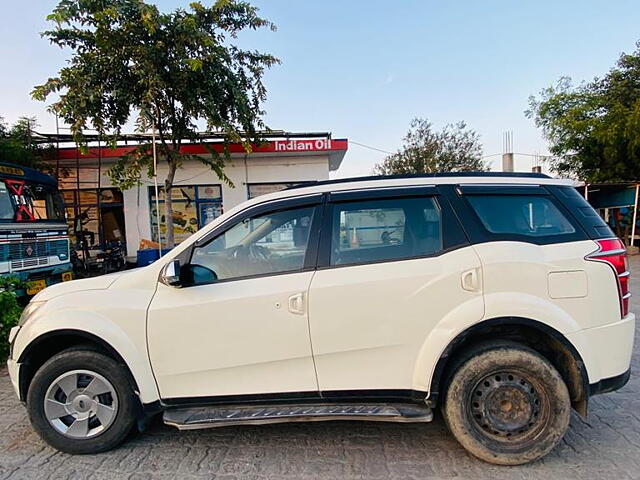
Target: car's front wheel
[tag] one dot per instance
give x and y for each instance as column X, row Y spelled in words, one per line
column 507, row 404
column 81, row 401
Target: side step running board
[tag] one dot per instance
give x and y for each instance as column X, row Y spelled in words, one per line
column 220, row 416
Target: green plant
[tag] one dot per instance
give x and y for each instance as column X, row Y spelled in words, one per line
column 10, row 311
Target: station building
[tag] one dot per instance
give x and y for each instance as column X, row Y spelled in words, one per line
column 109, row 214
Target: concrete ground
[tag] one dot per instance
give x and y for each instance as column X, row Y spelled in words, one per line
column 606, row 445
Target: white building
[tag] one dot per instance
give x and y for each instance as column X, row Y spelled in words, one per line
column 109, row 214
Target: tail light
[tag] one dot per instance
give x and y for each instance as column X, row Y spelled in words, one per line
column 613, row 252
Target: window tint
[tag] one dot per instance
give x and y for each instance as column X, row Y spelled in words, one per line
column 534, row 216
column 269, row 243
column 381, row 230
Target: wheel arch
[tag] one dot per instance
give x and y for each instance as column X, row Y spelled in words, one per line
column 43, row 347
column 546, row 340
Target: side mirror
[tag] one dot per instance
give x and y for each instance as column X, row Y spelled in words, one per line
column 171, row 274
column 197, row 275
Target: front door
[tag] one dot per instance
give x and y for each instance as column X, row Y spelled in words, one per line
column 239, row 324
column 392, row 272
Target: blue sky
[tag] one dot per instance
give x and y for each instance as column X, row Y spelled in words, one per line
column 362, row 69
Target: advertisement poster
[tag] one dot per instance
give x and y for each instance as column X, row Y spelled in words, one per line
column 209, row 211
column 193, row 207
column 185, row 221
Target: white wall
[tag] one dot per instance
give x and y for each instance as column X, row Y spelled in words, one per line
column 258, row 170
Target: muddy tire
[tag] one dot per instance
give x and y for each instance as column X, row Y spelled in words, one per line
column 506, row 404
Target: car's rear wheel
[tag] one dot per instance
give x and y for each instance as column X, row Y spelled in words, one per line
column 506, row 404
column 81, row 401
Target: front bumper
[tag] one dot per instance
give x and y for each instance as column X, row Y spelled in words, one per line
column 14, row 373
column 49, row 275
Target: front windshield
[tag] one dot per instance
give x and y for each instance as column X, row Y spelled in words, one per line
column 32, row 203
column 7, row 211
column 45, row 202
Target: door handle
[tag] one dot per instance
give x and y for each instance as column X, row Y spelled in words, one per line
column 470, row 280
column 296, row 303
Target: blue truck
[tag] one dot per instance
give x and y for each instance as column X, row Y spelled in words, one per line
column 34, row 239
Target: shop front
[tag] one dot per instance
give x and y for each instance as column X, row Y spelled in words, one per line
column 106, row 214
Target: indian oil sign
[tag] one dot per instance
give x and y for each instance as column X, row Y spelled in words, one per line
column 302, row 145
column 291, row 145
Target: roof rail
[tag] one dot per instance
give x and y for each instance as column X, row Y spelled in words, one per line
column 311, row 183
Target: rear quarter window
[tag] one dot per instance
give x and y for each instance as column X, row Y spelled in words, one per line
column 583, row 212
column 528, row 215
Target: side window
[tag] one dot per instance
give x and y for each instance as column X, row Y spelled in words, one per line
column 7, row 211
column 273, row 242
column 529, row 215
column 383, row 230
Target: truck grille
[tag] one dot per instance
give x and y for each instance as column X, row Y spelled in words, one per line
column 32, row 254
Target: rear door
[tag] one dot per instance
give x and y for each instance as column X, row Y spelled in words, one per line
column 393, row 263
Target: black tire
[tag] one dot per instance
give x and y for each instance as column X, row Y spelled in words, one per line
column 506, row 404
column 82, row 359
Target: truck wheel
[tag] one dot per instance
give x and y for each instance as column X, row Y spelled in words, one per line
column 506, row 404
column 81, row 401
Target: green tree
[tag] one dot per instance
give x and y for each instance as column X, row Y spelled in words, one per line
column 170, row 71
column 594, row 128
column 10, row 311
column 455, row 148
column 17, row 144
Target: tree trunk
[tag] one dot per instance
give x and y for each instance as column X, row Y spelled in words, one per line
column 168, row 203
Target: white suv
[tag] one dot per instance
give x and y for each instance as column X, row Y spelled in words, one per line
column 501, row 299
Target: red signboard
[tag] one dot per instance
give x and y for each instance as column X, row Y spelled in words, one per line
column 276, row 146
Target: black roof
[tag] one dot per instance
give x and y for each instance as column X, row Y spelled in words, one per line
column 421, row 175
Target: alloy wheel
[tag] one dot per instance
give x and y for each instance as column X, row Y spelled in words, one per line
column 81, row 404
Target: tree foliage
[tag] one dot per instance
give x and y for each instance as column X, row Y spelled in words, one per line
column 10, row 311
column 17, row 144
column 455, row 148
column 594, row 127
column 169, row 70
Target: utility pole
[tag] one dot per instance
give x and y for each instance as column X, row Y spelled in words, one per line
column 507, row 151
column 536, row 168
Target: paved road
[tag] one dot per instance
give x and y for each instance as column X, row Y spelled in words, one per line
column 606, row 445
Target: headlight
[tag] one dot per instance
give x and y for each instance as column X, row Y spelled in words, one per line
column 28, row 311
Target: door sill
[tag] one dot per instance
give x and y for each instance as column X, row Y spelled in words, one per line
column 192, row 418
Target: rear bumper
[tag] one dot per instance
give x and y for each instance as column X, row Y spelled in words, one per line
column 610, row 384
column 606, row 352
